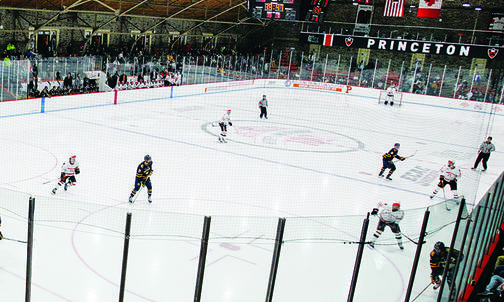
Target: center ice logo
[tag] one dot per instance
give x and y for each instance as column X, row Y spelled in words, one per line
column 290, row 137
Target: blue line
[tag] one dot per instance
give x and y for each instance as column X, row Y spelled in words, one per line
column 42, row 105
column 171, row 93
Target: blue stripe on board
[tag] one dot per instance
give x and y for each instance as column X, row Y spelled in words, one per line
column 243, row 89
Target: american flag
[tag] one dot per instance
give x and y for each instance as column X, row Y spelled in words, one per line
column 394, row 8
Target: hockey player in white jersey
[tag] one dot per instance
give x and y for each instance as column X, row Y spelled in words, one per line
column 389, row 215
column 68, row 171
column 449, row 175
column 391, row 91
column 223, row 123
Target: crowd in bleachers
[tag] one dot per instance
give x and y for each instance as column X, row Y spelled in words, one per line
column 154, row 79
column 69, row 85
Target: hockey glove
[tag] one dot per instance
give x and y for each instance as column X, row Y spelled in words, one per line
column 374, row 211
column 403, row 158
column 77, row 170
column 1, row 236
column 441, row 177
column 62, row 175
column 230, row 124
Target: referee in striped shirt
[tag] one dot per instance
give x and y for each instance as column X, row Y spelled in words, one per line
column 484, row 153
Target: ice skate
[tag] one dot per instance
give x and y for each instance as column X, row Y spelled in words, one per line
column 149, row 199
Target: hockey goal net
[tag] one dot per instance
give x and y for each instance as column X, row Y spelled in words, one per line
column 397, row 98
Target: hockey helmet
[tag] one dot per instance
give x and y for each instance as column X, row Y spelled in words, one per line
column 489, row 138
column 147, row 157
column 396, row 204
column 397, row 145
column 229, row 111
column 451, row 163
column 72, row 158
column 439, row 246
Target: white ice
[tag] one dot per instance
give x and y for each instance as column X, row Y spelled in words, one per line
column 313, row 161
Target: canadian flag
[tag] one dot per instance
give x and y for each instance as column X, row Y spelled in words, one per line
column 429, row 9
column 328, row 40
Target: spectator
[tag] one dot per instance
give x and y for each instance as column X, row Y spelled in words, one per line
column 86, row 82
column 68, row 81
column 32, row 86
column 123, row 78
column 495, row 286
column 78, row 81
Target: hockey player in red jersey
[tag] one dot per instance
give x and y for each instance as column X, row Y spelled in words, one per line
column 390, row 215
column 69, row 169
column 449, row 175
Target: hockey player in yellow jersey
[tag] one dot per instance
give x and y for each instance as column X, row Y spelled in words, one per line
column 144, row 171
column 388, row 161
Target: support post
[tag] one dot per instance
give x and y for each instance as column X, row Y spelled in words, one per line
column 276, row 258
column 450, row 252
column 29, row 248
column 358, row 258
column 202, row 258
column 417, row 255
column 125, row 256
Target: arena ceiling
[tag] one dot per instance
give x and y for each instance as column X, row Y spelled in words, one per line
column 232, row 12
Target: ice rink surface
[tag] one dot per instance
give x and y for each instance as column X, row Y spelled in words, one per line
column 315, row 158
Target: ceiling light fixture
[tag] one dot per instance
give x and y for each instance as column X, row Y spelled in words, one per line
column 466, row 4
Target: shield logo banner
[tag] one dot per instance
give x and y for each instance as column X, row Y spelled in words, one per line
column 348, row 41
column 492, row 52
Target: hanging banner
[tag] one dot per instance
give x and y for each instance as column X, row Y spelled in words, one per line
column 429, row 8
column 408, row 46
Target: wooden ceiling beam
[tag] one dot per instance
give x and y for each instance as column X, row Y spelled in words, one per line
column 215, row 16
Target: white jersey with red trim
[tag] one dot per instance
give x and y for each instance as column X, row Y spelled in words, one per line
column 389, row 216
column 450, row 174
column 391, row 90
column 68, row 168
column 226, row 119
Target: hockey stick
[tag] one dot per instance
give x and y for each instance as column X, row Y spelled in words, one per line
column 46, row 182
column 422, row 292
column 411, row 155
column 20, row 241
column 407, row 237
